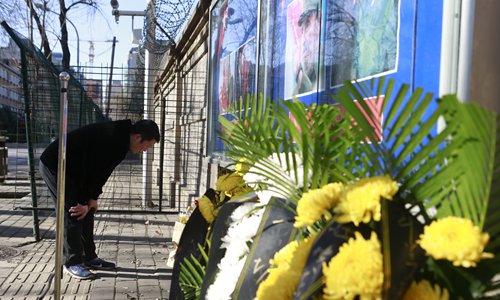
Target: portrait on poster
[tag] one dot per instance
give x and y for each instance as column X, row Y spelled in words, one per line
column 226, row 82
column 302, row 51
column 362, row 39
column 245, row 69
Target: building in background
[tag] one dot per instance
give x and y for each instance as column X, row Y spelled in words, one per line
column 11, row 95
column 10, row 79
column 134, row 85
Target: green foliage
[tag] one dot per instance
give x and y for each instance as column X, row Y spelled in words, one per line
column 310, row 138
column 192, row 273
column 451, row 172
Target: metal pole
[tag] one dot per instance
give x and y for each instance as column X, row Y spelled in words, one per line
column 61, row 178
column 162, row 149
column 111, row 77
column 147, row 162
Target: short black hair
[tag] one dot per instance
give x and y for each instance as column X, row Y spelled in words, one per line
column 148, row 130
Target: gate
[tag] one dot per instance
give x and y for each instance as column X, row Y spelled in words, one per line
column 95, row 94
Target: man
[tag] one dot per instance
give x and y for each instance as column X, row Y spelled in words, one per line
column 307, row 69
column 92, row 153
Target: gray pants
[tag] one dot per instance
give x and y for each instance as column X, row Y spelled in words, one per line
column 78, row 235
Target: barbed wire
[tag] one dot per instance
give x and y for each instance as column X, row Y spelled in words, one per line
column 163, row 22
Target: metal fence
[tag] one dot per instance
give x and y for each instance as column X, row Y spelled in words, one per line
column 181, row 101
column 95, row 94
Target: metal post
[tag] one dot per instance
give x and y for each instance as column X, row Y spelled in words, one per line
column 111, row 77
column 162, row 148
column 61, row 178
column 147, row 162
column 29, row 140
column 177, row 132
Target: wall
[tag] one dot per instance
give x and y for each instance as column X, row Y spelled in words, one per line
column 485, row 75
column 181, row 105
column 182, row 94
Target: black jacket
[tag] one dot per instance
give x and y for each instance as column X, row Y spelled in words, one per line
column 92, row 153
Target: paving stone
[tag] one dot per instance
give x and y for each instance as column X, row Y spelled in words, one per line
column 129, row 240
column 102, row 293
column 153, row 281
column 12, row 289
column 150, row 292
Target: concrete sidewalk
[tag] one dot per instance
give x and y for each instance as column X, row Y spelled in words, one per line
column 139, row 243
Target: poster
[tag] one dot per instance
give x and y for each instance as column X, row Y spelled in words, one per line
column 233, row 27
column 362, row 39
column 302, row 50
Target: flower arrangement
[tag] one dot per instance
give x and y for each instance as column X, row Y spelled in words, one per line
column 344, row 173
column 378, row 213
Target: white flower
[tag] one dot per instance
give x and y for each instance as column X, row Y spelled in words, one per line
column 242, row 211
column 245, row 222
column 271, row 177
column 220, row 290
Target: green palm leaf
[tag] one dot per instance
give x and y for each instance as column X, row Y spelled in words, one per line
column 191, row 274
column 411, row 151
column 256, row 131
column 477, row 190
column 477, row 193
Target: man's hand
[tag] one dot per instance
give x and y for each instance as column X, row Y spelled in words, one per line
column 92, row 205
column 79, row 211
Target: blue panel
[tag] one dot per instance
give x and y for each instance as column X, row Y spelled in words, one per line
column 428, row 46
column 399, row 39
column 404, row 73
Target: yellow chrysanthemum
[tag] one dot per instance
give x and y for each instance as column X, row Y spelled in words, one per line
column 229, row 183
column 286, row 269
column 317, row 203
column 361, row 200
column 206, row 209
column 425, row 291
column 355, row 271
column 455, row 239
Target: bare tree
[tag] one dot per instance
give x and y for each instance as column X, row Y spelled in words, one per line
column 63, row 10
column 11, row 12
column 38, row 12
column 41, row 28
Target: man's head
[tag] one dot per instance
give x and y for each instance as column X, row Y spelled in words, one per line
column 309, row 22
column 143, row 135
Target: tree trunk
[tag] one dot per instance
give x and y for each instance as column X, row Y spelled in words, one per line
column 41, row 29
column 64, row 36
